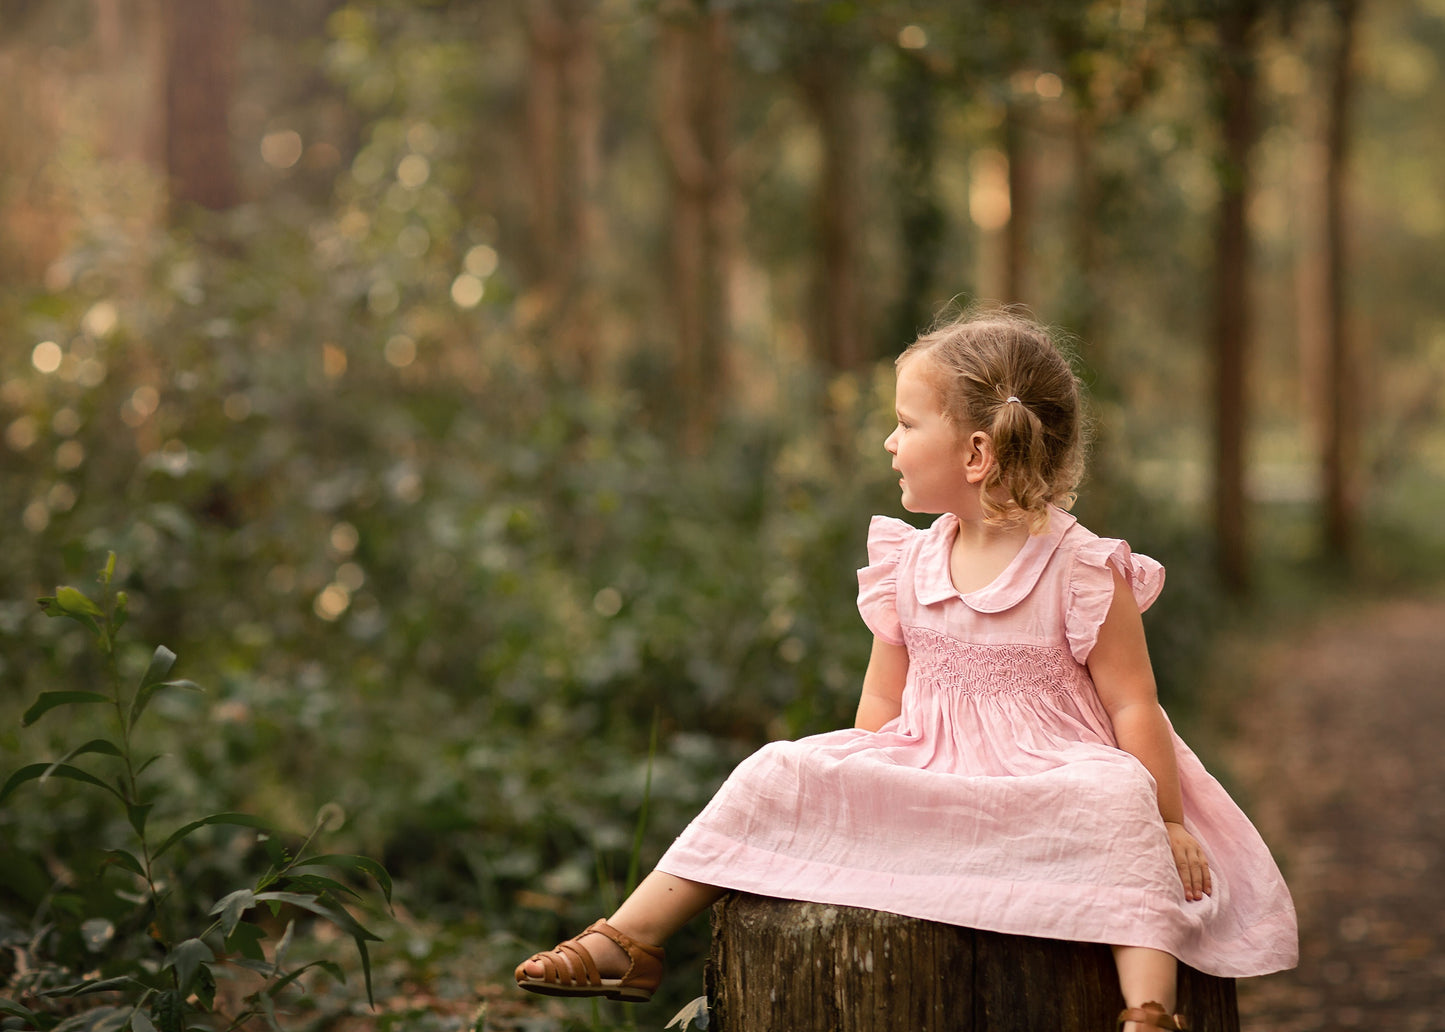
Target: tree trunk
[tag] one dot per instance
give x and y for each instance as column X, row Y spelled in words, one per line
column 545, row 48
column 695, row 123
column 829, row 83
column 1311, row 275
column 1085, row 298
column 782, row 966
column 200, row 79
column 1341, row 429
column 914, row 95
column 1020, row 198
column 563, row 134
column 130, row 37
column 1083, row 133
column 1232, row 323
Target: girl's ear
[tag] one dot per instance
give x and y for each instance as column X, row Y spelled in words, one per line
column 978, row 456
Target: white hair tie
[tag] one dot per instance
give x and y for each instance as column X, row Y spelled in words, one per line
column 1013, row 399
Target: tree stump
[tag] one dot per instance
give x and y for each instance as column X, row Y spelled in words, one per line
column 783, row 966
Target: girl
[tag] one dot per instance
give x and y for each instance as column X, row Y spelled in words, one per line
column 1011, row 768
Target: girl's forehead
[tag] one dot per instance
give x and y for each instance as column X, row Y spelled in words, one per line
column 917, row 380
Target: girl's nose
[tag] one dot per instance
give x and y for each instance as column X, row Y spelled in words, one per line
column 890, row 443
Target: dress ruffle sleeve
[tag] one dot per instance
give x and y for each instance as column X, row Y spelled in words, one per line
column 878, row 581
column 1091, row 588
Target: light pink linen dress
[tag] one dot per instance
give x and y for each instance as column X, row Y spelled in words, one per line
column 997, row 799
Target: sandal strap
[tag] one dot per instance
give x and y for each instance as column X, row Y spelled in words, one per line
column 582, row 961
column 644, row 961
column 1154, row 1014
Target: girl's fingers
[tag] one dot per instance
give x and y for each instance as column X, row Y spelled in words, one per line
column 1200, row 884
column 1194, row 875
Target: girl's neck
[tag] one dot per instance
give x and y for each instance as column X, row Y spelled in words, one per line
column 982, row 551
column 976, row 532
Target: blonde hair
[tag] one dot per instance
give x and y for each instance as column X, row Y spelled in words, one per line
column 999, row 371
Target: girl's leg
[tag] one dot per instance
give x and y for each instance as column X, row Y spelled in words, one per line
column 1146, row 976
column 657, row 908
column 661, row 905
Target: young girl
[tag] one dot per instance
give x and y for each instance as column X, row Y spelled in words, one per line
column 1010, row 768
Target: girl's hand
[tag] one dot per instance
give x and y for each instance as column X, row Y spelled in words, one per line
column 1189, row 858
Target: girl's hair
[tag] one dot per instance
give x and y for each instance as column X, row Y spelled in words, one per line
column 1000, row 372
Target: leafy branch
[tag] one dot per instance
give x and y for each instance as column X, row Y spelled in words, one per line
column 167, row 997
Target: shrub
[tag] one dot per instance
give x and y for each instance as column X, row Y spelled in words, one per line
column 122, row 939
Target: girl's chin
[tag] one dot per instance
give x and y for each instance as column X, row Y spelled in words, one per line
column 912, row 504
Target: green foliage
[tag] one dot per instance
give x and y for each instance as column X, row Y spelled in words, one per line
column 448, row 596
column 122, row 927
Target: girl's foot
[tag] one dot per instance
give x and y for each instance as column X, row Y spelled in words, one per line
column 600, row 962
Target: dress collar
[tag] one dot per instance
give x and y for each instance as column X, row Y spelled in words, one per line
column 932, row 582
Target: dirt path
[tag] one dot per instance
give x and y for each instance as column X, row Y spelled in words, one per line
column 1341, row 758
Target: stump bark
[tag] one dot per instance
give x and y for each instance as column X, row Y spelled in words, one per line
column 783, row 966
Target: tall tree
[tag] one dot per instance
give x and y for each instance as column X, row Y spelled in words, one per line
column 695, row 73
column 200, row 82
column 913, row 94
column 829, row 83
column 130, row 40
column 1016, row 118
column 1107, row 69
column 1237, row 72
column 564, row 162
column 1000, row 59
column 1341, row 421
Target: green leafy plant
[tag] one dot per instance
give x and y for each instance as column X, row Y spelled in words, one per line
column 123, row 946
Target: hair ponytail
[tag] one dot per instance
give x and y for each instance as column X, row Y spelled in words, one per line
column 1021, row 452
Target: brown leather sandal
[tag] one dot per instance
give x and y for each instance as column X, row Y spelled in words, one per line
column 1154, row 1014
column 569, row 970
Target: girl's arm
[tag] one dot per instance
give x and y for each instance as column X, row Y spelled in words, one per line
column 882, row 698
column 1124, row 680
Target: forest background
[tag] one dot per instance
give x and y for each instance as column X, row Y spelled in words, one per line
column 485, row 398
